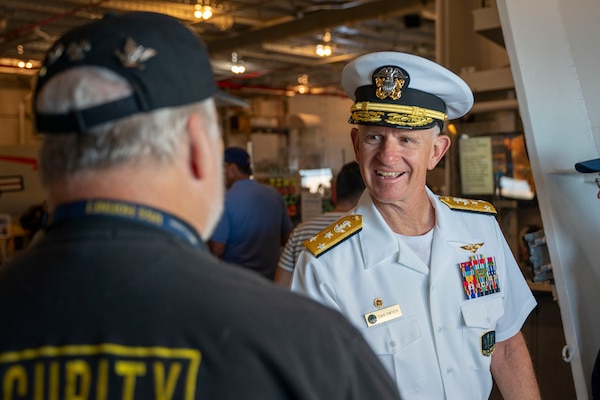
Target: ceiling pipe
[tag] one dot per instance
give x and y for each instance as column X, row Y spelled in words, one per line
column 16, row 32
column 494, row 105
column 314, row 22
column 274, row 91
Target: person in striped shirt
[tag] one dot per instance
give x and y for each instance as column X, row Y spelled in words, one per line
column 349, row 186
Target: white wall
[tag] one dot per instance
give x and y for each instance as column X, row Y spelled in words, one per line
column 334, row 130
column 554, row 56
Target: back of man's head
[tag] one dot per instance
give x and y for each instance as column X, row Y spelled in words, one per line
column 349, row 184
column 120, row 89
column 240, row 157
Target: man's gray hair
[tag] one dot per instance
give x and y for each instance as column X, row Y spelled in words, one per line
column 155, row 135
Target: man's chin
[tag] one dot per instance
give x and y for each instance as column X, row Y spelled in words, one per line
column 387, row 196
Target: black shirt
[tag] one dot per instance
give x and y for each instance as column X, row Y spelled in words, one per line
column 104, row 308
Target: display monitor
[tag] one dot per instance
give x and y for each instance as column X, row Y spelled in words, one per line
column 316, row 179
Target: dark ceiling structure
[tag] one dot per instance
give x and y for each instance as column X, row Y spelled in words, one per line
column 275, row 41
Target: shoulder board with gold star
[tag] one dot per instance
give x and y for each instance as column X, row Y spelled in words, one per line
column 334, row 234
column 476, row 206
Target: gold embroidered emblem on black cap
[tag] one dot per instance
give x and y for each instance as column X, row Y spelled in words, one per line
column 54, row 54
column 389, row 82
column 76, row 50
column 133, row 55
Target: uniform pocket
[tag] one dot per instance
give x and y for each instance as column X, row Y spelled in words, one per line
column 480, row 317
column 391, row 342
column 482, row 313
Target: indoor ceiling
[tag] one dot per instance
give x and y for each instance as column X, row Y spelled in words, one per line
column 275, row 40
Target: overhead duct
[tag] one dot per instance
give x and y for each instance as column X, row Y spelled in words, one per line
column 303, row 120
column 494, row 105
column 314, row 22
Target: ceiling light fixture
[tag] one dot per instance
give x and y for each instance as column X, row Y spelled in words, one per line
column 237, row 65
column 324, row 49
column 23, row 64
column 303, row 87
column 203, row 12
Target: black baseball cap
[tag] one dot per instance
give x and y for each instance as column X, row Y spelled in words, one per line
column 237, row 155
column 165, row 62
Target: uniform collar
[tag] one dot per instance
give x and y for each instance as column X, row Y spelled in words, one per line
column 450, row 225
column 380, row 243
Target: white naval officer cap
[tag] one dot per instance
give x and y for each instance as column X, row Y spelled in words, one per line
column 402, row 90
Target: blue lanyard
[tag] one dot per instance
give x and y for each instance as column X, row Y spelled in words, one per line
column 127, row 211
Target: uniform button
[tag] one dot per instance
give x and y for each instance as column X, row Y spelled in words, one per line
column 449, row 370
column 440, row 329
column 392, row 344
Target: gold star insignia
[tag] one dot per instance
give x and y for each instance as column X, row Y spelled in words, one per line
column 334, row 234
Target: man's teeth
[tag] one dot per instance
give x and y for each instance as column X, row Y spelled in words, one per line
column 389, row 174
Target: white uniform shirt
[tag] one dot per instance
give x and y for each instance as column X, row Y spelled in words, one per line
column 434, row 349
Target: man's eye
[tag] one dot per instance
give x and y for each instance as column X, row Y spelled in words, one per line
column 371, row 139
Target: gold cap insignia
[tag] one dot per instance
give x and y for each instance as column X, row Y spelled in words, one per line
column 477, row 206
column 54, row 54
column 472, row 247
column 389, row 82
column 334, row 234
column 133, row 55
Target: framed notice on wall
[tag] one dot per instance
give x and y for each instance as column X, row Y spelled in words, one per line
column 476, row 165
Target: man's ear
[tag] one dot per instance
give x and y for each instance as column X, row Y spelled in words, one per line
column 355, row 140
column 199, row 146
column 441, row 144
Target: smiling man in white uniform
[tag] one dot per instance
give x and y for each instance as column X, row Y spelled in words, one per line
column 429, row 280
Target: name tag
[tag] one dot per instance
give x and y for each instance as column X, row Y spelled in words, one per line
column 383, row 315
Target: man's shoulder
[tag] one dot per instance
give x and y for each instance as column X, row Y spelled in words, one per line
column 318, row 223
column 263, row 189
column 334, row 234
column 305, row 230
column 468, row 205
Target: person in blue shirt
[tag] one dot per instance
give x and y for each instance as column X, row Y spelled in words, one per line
column 255, row 223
